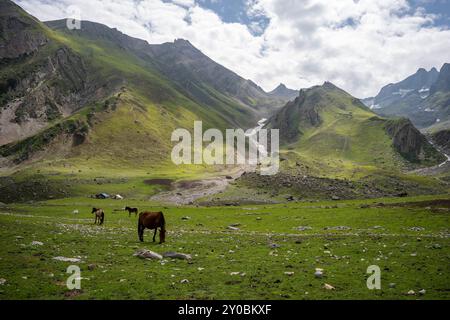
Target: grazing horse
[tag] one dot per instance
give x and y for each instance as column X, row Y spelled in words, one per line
column 131, row 210
column 152, row 220
column 99, row 216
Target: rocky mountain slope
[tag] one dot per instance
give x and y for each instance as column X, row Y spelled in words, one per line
column 40, row 80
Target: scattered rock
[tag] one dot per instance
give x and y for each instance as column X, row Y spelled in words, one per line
column 411, row 293
column 335, row 198
column 303, row 228
column 422, row 292
column 92, row 266
column 417, row 229
column 232, row 228
column 392, row 285
column 328, row 286
column 75, row 212
column 176, row 255
column 186, row 218
column 64, row 259
column 289, row 273
column 37, row 243
column 338, row 228
column 436, row 246
column 318, row 273
column 147, row 254
column 274, row 246
column 2, row 281
column 184, row 281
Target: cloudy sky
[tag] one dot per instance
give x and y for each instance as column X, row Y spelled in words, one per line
column 360, row 45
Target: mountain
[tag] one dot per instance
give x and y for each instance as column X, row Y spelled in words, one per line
column 67, row 94
column 325, row 122
column 416, row 85
column 283, row 92
column 198, row 76
column 423, row 97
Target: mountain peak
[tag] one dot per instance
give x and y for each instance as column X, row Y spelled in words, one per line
column 329, row 85
column 284, row 92
column 421, row 70
column 183, row 42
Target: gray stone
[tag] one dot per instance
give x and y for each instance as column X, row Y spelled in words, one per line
column 147, row 254
column 176, row 255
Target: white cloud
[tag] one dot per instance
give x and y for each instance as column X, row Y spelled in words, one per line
column 359, row 45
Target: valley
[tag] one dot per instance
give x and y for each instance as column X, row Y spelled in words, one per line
column 91, row 111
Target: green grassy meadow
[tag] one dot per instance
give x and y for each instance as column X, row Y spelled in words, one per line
column 378, row 232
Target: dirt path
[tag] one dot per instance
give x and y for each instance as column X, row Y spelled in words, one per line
column 186, row 192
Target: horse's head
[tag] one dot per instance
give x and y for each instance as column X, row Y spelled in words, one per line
column 94, row 210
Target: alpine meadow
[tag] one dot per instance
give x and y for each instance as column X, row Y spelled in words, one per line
column 93, row 205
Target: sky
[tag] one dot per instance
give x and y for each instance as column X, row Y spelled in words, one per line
column 359, row 45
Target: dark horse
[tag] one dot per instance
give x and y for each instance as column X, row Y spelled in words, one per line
column 99, row 215
column 131, row 210
column 152, row 220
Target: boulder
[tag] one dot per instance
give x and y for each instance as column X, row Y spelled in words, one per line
column 328, row 286
column 147, row 254
column 64, row 259
column 176, row 255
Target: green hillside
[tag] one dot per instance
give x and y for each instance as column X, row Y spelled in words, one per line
column 327, row 124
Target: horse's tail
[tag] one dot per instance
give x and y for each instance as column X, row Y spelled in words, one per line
column 163, row 221
column 103, row 217
column 140, row 228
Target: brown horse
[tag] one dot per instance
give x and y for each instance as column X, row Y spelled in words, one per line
column 99, row 215
column 152, row 220
column 131, row 210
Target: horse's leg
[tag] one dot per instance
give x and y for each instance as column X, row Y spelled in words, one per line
column 154, row 235
column 141, row 229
